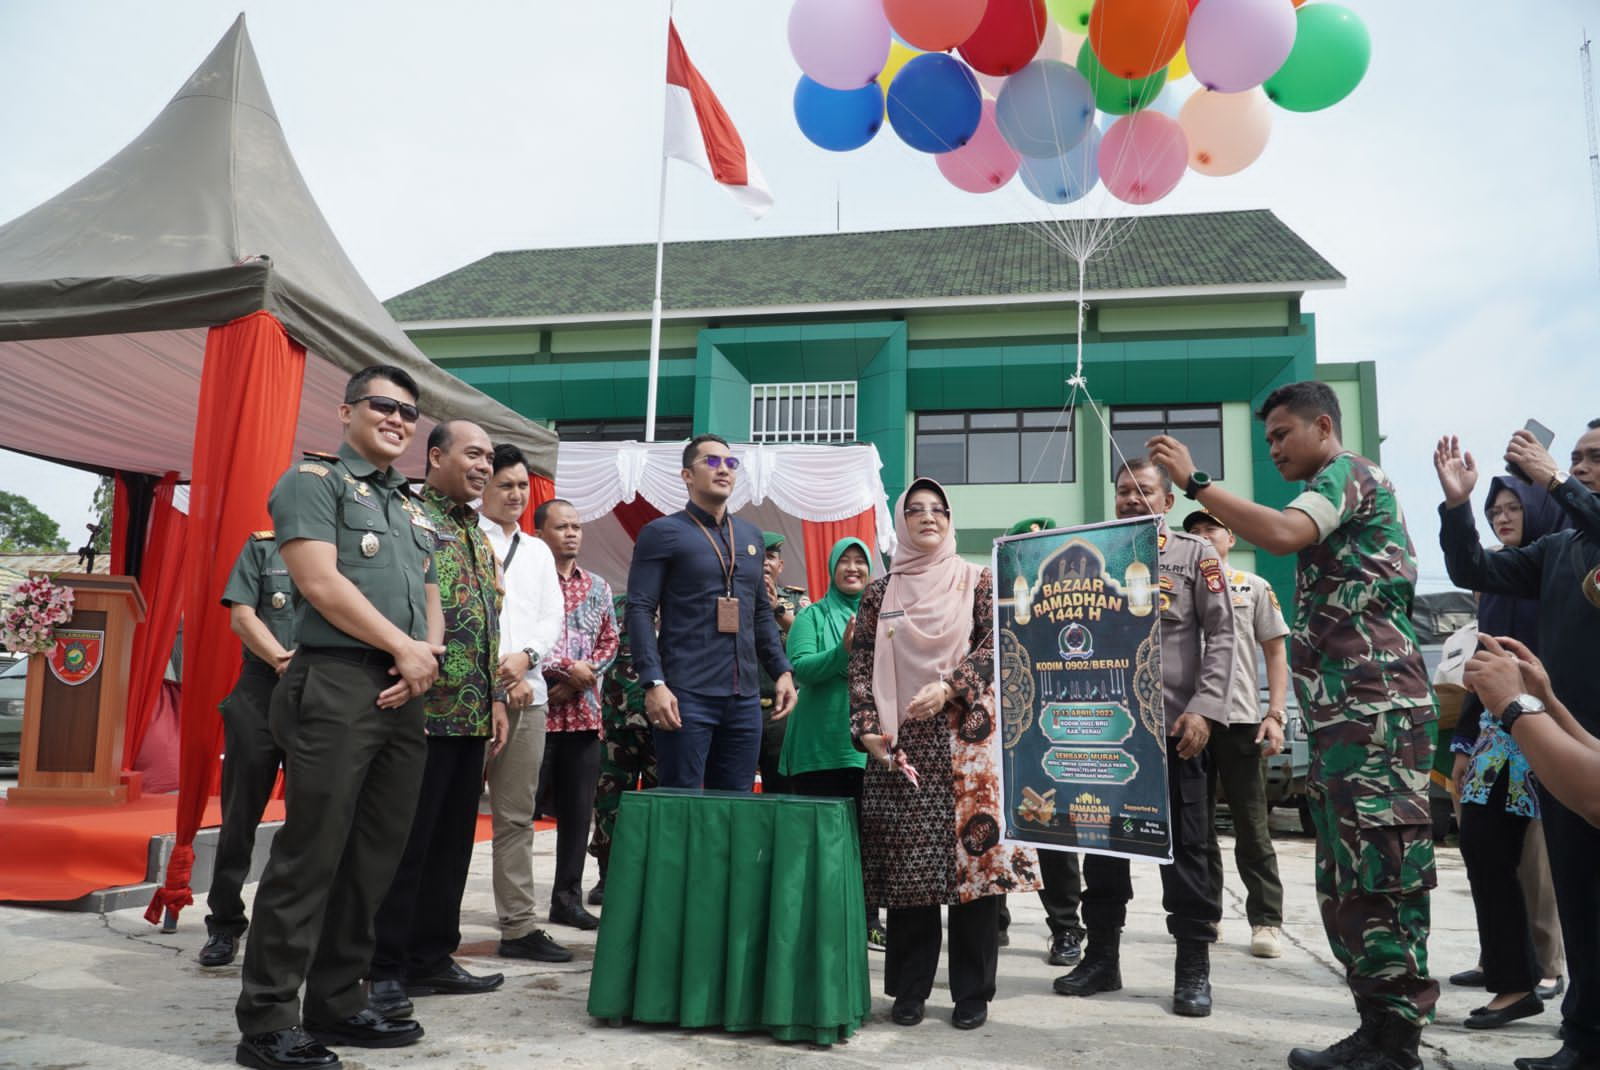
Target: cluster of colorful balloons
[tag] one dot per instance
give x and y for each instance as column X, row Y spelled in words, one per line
column 1070, row 93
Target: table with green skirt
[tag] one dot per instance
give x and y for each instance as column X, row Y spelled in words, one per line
column 736, row 910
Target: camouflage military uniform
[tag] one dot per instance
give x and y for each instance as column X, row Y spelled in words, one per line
column 627, row 749
column 1362, row 683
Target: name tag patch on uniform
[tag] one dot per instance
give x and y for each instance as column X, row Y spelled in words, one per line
column 364, row 496
column 1211, row 569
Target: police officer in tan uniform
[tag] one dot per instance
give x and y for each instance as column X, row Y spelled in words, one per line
column 348, row 714
column 1197, row 652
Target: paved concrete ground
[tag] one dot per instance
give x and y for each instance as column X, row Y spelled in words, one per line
column 109, row 991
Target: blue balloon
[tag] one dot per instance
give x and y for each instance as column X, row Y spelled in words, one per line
column 1044, row 109
column 838, row 119
column 934, row 103
column 1065, row 178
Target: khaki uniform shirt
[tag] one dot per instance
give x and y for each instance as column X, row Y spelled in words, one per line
column 385, row 543
column 1257, row 619
column 1197, row 649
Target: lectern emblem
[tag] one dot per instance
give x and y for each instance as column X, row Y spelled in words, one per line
column 76, row 656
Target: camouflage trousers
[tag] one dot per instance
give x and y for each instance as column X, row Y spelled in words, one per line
column 627, row 762
column 1367, row 790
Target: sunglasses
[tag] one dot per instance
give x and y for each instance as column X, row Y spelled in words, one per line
column 926, row 510
column 388, row 407
column 715, row 461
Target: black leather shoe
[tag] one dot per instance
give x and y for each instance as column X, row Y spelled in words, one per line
column 1568, row 1058
column 1484, row 1018
column 597, row 894
column 389, row 999
column 907, row 1011
column 536, row 945
column 1472, row 978
column 969, row 1015
column 1066, row 949
column 1551, row 991
column 574, row 915
column 220, row 949
column 453, row 981
column 283, row 1049
column 369, row 1029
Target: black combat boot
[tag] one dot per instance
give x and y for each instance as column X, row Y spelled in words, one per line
column 1395, row 1049
column 1101, row 968
column 1340, row 1052
column 1191, row 980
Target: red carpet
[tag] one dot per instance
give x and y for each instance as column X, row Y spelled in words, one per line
column 57, row 853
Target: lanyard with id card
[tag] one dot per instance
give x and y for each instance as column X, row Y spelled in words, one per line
column 728, row 606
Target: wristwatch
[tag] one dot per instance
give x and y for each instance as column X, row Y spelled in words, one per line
column 1516, row 708
column 1278, row 715
column 1198, row 481
column 652, row 684
column 1556, row 480
column 533, row 656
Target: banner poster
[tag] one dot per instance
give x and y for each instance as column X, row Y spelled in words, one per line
column 1078, row 672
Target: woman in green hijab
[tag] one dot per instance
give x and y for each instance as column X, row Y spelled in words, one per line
column 818, row 755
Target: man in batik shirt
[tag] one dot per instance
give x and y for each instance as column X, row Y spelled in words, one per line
column 419, row 923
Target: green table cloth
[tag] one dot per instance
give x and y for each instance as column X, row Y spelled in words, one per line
column 735, row 910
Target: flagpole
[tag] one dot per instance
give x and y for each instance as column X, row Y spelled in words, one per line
column 655, row 304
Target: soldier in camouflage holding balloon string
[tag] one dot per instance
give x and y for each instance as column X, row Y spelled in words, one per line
column 627, row 748
column 1364, row 688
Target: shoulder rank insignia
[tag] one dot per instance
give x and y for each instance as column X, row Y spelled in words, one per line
column 264, row 536
column 314, row 469
column 316, row 455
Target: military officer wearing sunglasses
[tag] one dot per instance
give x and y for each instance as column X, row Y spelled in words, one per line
column 703, row 569
column 348, row 714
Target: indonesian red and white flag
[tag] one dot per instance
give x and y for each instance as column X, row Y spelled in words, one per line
column 698, row 131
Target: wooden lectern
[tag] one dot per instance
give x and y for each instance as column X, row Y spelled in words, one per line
column 77, row 699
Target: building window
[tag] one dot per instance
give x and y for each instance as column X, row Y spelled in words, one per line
column 1031, row 446
column 803, row 412
column 1197, row 426
column 668, row 430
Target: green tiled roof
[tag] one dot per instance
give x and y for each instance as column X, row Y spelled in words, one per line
column 1217, row 249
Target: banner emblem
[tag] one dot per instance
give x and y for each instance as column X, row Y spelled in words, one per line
column 76, row 656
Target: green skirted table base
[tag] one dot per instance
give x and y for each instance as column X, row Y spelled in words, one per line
column 734, row 910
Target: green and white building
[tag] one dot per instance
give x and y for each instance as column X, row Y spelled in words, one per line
column 949, row 349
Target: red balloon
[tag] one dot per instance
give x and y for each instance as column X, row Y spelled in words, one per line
column 1008, row 37
column 1135, row 38
column 934, row 25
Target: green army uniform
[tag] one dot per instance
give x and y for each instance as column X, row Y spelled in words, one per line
column 627, row 746
column 251, row 757
column 351, row 770
column 1364, row 688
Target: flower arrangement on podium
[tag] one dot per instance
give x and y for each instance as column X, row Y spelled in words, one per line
column 33, row 609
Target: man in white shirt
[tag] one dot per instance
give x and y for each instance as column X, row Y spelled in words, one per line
column 530, row 624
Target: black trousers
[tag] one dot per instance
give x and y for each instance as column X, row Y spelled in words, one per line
column 834, row 784
column 1491, row 847
column 911, row 955
column 419, row 923
column 574, row 763
column 1574, row 847
column 772, row 781
column 1193, row 906
column 351, row 775
column 250, row 762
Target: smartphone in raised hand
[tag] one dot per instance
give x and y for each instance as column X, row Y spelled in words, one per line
column 1545, row 437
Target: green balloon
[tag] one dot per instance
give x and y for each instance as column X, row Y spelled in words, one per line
column 1330, row 56
column 1118, row 96
column 1073, row 15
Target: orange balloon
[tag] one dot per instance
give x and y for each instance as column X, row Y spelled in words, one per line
column 934, row 25
column 1135, row 38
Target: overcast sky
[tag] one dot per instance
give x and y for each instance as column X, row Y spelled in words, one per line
column 1452, row 188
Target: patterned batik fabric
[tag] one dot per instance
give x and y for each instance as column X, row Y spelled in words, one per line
column 1353, row 649
column 1495, row 751
column 459, row 702
column 588, row 633
column 1367, row 792
column 939, row 842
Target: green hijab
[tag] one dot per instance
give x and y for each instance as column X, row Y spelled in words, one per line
column 836, row 608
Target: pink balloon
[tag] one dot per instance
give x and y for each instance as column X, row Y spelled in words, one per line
column 1226, row 131
column 1142, row 156
column 840, row 44
column 984, row 163
column 1234, row 45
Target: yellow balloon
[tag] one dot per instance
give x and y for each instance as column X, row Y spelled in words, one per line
column 899, row 56
column 1179, row 66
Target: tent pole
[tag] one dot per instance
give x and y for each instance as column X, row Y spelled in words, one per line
column 655, row 304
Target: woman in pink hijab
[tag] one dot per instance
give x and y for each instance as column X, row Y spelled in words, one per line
column 922, row 706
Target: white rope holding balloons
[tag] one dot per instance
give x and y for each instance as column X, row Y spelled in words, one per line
column 865, row 59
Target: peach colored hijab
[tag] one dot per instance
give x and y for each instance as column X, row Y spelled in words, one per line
column 925, row 622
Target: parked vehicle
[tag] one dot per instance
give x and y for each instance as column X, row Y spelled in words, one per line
column 13, row 683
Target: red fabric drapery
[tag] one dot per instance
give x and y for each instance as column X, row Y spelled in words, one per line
column 119, row 527
column 163, row 586
column 820, row 537
column 634, row 515
column 540, row 490
column 244, row 439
